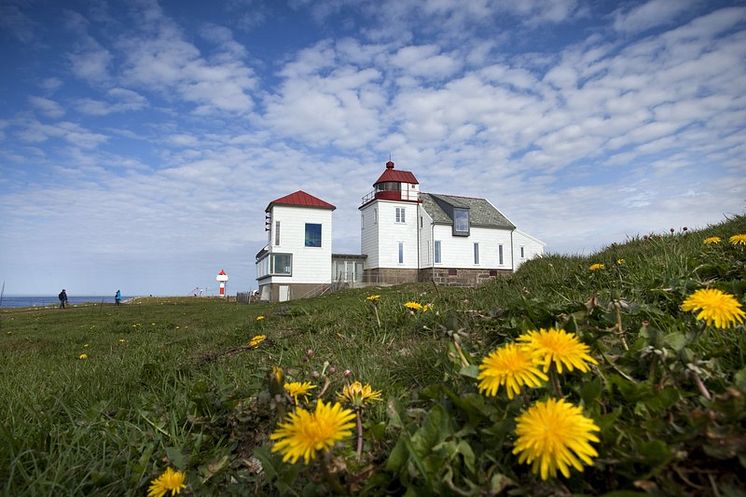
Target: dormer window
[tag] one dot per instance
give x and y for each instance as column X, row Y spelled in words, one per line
column 460, row 221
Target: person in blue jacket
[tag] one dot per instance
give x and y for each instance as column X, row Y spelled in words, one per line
column 118, row 297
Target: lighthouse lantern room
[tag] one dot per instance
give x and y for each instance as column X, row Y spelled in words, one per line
column 222, row 279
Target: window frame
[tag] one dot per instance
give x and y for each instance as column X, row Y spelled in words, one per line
column 320, row 239
column 500, row 255
column 476, row 253
column 272, row 271
column 457, row 213
column 437, row 252
column 401, row 252
column 277, row 233
column 400, row 215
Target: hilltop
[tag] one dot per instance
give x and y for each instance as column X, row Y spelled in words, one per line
column 175, row 382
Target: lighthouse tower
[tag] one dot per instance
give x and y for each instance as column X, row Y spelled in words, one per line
column 222, row 279
column 389, row 221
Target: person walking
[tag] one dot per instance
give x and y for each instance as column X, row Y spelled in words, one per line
column 63, row 298
column 118, row 297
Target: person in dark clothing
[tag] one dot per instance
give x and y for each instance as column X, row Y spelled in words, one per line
column 63, row 298
column 118, row 297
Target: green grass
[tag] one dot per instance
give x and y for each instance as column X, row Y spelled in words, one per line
column 172, row 382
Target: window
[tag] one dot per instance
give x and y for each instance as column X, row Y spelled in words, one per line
column 476, row 253
column 281, row 264
column 500, row 254
column 460, row 222
column 313, row 235
column 522, row 253
column 401, row 252
column 375, row 215
column 400, row 215
column 362, row 220
column 277, row 232
column 421, row 222
column 437, row 251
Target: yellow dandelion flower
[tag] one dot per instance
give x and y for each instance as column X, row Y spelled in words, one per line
column 277, row 374
column 296, row 389
column 256, row 340
column 413, row 306
column 358, row 395
column 83, row 357
column 260, row 318
column 620, row 262
column 558, row 347
column 427, row 307
column 596, row 266
column 304, row 433
column 555, row 435
column 511, row 365
column 712, row 240
column 739, row 239
column 170, row 481
column 373, row 298
column 715, row 308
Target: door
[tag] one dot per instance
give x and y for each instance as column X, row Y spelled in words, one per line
column 284, row 293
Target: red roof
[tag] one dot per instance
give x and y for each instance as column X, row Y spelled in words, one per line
column 301, row 199
column 222, row 272
column 390, row 175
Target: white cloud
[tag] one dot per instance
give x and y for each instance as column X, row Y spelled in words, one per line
column 33, row 131
column 425, row 61
column 160, row 58
column 651, row 14
column 120, row 100
column 48, row 107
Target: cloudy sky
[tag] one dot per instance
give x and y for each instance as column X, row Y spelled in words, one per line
column 141, row 141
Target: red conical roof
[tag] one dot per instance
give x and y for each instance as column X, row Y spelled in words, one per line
column 301, row 199
column 392, row 175
column 222, row 272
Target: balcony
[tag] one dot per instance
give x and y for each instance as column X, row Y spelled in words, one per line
column 407, row 195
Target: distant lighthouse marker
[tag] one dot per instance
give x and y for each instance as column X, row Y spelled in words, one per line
column 222, row 278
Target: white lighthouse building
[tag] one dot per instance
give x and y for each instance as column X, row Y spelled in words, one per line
column 388, row 227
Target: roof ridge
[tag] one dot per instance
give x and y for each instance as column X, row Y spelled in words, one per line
column 457, row 196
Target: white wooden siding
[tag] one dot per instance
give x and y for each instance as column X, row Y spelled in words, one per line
column 310, row 264
column 369, row 235
column 426, row 239
column 390, row 233
column 458, row 251
column 532, row 247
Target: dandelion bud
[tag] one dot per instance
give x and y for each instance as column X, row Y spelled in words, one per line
column 672, row 230
column 315, row 374
column 347, row 373
column 685, row 228
column 309, row 352
column 332, row 370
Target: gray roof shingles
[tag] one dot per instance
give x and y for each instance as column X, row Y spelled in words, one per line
column 481, row 212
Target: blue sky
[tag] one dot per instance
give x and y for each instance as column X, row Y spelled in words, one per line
column 141, row 141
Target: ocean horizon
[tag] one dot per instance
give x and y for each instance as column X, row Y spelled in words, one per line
column 47, row 301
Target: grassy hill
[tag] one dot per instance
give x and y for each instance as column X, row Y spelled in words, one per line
column 174, row 382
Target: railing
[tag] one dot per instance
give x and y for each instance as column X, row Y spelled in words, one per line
column 411, row 195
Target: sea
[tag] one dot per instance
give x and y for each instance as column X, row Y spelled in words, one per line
column 15, row 301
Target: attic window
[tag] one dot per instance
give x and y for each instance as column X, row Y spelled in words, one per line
column 460, row 222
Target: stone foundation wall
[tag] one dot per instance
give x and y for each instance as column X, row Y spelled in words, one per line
column 296, row 290
column 391, row 276
column 461, row 276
